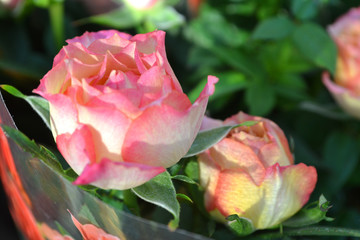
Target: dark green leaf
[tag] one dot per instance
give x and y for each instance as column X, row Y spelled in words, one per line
column 184, row 179
column 230, row 82
column 316, row 45
column 240, row 60
column 161, row 192
column 206, row 139
column 273, row 28
column 204, row 30
column 239, row 225
column 304, row 9
column 311, row 214
column 260, row 97
column 341, row 155
column 39, row 104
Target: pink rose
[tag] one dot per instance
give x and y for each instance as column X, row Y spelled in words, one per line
column 251, row 173
column 346, row 89
column 118, row 113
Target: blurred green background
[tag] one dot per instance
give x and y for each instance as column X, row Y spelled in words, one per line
column 268, row 55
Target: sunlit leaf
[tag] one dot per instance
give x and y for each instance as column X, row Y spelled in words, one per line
column 39, row 104
column 239, row 225
column 183, row 196
column 206, row 139
column 184, row 178
column 161, row 192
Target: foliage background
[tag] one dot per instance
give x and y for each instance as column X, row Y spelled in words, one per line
column 268, row 55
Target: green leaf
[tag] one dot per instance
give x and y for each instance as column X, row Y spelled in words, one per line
column 204, row 30
column 273, row 28
column 36, row 151
column 260, row 97
column 39, row 104
column 42, row 3
column 316, row 45
column 230, row 82
column 184, row 179
column 311, row 214
column 166, row 18
column 120, row 18
column 208, row 138
column 183, row 196
column 240, row 60
column 192, row 170
column 239, row 225
column 341, row 151
column 161, row 192
column 304, row 9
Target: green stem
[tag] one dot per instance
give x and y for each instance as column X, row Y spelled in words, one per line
column 56, row 11
column 130, row 201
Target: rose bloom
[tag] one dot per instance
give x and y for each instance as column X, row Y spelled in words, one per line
column 346, row 89
column 118, row 113
column 251, row 173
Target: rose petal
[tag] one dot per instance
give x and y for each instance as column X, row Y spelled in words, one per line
column 77, row 51
column 282, row 193
column 210, row 123
column 52, row 234
column 147, row 43
column 209, row 174
column 347, row 100
column 91, row 232
column 231, row 154
column 108, row 127
column 63, row 114
column 165, row 134
column 113, row 44
column 89, row 37
column 77, row 148
column 277, row 136
column 81, row 70
column 55, row 81
column 117, row 175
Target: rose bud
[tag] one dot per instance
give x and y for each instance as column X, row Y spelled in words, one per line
column 346, row 88
column 251, row 173
column 118, row 113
